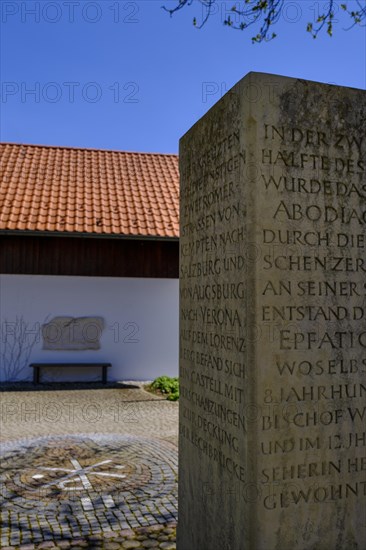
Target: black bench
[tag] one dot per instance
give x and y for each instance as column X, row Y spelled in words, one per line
column 37, row 368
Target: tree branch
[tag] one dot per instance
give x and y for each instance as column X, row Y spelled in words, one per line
column 266, row 13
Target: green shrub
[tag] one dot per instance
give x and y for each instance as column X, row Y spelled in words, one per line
column 167, row 386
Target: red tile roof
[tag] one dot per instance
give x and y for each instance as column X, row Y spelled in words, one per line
column 68, row 190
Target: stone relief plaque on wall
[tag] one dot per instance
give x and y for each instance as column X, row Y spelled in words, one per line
column 72, row 333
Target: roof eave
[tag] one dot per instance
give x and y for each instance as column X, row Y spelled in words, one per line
column 74, row 234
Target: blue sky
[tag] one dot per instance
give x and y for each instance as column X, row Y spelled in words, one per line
column 123, row 75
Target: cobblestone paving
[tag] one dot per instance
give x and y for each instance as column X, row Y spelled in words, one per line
column 69, row 481
column 58, row 410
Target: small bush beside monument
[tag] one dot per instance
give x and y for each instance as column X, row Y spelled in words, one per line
column 166, row 386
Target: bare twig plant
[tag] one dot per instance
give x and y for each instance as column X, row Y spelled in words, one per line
column 17, row 341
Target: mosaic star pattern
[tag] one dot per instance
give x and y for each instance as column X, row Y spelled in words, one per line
column 67, row 487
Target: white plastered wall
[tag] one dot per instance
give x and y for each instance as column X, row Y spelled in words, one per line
column 140, row 337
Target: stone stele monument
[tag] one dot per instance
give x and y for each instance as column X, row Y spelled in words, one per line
column 273, row 320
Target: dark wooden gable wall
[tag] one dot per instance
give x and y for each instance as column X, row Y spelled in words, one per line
column 98, row 257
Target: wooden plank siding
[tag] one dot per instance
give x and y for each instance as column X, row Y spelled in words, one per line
column 85, row 256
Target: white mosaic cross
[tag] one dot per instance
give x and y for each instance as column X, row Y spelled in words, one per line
column 82, row 474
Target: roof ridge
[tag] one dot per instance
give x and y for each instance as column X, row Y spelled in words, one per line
column 87, row 149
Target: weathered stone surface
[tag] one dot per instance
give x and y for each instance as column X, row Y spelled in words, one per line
column 272, row 325
column 131, row 544
column 72, row 333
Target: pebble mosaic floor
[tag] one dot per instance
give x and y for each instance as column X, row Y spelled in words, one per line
column 111, row 491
